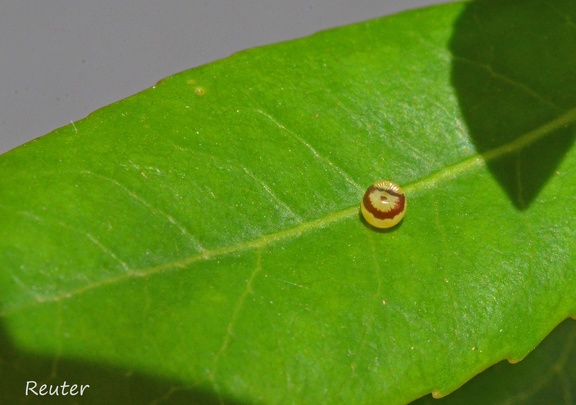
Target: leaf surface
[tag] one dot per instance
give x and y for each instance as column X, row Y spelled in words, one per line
column 201, row 240
column 545, row 376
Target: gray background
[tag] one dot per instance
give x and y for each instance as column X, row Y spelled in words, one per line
column 62, row 59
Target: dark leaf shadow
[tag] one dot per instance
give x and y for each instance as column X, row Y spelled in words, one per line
column 108, row 385
column 514, row 71
column 545, row 376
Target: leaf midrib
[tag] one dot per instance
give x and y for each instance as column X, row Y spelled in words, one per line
column 447, row 173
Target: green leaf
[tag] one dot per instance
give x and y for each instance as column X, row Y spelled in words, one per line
column 513, row 71
column 546, row 376
column 201, row 241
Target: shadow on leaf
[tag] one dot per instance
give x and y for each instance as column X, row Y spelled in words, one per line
column 108, row 385
column 545, row 376
column 514, row 71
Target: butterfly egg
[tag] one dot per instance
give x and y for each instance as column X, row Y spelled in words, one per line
column 383, row 204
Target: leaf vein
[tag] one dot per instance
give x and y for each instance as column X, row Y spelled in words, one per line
column 314, row 152
column 499, row 76
column 448, row 173
column 274, row 197
column 153, row 209
column 235, row 315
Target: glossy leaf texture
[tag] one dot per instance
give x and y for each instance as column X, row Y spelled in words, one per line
column 201, row 241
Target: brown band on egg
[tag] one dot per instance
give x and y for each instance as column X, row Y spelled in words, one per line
column 396, row 209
